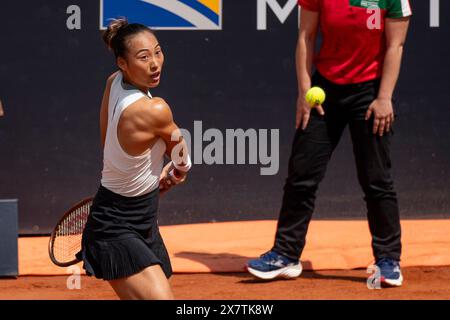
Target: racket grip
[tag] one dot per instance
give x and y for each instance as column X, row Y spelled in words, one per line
column 176, row 178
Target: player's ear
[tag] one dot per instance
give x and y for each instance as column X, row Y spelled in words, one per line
column 122, row 63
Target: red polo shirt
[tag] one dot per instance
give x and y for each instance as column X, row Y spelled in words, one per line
column 353, row 38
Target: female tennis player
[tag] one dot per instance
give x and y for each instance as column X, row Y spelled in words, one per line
column 358, row 66
column 121, row 242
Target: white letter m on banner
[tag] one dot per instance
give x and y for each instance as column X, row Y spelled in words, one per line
column 281, row 12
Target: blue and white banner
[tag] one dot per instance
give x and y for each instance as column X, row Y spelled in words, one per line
column 165, row 14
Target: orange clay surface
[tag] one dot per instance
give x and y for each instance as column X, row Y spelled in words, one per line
column 227, row 246
column 420, row 283
column 208, row 260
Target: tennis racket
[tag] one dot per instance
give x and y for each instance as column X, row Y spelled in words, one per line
column 65, row 240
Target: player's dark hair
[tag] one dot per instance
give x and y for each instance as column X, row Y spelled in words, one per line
column 118, row 33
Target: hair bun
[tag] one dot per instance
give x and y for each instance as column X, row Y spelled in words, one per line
column 113, row 28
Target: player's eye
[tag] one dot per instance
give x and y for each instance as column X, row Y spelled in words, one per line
column 143, row 57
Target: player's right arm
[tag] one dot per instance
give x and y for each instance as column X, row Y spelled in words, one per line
column 159, row 118
column 309, row 23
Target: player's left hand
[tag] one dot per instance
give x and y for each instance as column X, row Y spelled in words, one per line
column 164, row 182
column 167, row 181
column 383, row 112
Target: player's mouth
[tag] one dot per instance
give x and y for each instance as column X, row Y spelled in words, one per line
column 155, row 76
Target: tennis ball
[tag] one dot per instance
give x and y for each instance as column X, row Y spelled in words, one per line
column 315, row 96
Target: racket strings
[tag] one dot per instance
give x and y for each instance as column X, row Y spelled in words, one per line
column 68, row 235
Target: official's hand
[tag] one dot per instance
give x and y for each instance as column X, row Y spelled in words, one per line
column 304, row 112
column 383, row 112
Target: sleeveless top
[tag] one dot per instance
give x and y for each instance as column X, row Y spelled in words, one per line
column 127, row 175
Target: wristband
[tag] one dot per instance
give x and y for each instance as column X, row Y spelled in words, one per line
column 185, row 168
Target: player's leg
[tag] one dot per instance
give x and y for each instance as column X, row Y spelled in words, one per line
column 149, row 284
column 372, row 155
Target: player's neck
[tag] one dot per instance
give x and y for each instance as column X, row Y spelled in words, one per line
column 128, row 80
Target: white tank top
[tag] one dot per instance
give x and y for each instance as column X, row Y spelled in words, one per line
column 127, row 175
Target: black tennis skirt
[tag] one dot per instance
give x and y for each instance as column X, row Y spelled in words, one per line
column 122, row 237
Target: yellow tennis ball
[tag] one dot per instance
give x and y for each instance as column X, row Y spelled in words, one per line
column 315, row 96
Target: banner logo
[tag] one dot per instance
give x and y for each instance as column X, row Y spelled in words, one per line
column 165, row 14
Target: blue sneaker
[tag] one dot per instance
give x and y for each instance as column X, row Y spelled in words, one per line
column 390, row 272
column 271, row 265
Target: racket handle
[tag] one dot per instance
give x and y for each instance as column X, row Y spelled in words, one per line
column 173, row 175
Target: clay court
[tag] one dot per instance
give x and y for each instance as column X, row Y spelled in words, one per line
column 420, row 283
column 335, row 266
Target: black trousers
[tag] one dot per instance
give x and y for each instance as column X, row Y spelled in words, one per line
column 311, row 151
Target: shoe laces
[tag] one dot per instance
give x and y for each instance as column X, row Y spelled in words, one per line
column 387, row 262
column 269, row 255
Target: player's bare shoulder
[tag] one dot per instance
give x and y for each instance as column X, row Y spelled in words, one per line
column 148, row 113
column 158, row 112
column 111, row 78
